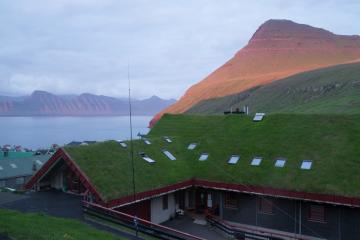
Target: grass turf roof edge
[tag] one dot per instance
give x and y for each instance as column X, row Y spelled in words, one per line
column 325, row 139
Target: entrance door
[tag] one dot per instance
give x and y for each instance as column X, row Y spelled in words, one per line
column 201, row 200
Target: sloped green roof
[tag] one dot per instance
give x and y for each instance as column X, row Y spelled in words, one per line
column 330, row 141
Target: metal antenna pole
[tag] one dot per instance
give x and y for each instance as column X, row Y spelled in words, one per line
column 132, row 155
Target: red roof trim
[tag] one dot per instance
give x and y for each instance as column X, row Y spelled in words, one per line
column 45, row 168
column 149, row 194
column 325, row 198
column 61, row 153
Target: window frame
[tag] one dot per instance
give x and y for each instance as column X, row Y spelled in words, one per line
column 19, row 180
column 266, row 206
column 231, row 200
column 312, row 211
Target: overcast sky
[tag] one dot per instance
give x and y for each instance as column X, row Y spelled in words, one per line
column 76, row 46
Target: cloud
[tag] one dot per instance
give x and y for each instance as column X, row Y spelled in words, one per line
column 75, row 46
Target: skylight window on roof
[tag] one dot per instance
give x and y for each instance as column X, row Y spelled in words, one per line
column 256, row 161
column 1, row 168
column 146, row 141
column 258, row 117
column 192, row 146
column 280, row 163
column 306, row 164
column 234, row 159
column 169, row 155
column 203, row 157
column 167, row 139
column 124, row 145
column 39, row 162
column 146, row 157
column 13, row 165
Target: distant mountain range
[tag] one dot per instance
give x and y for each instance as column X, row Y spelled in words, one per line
column 41, row 103
column 278, row 49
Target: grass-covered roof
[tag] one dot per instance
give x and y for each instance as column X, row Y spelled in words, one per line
column 330, row 141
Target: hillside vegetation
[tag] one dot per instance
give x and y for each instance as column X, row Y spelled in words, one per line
column 329, row 90
column 330, row 141
column 278, row 49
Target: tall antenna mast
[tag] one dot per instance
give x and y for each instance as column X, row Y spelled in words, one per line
column 132, row 154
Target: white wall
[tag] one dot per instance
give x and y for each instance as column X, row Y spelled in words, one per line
column 158, row 215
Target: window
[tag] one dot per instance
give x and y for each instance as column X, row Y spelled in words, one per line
column 306, row 164
column 2, row 183
column 256, row 161
column 204, row 156
column 192, row 146
column 234, row 159
column 165, row 202
column 122, row 144
column 147, row 142
column 231, row 200
column 13, row 165
column 316, row 213
column 20, row 180
column 258, row 117
column 280, row 163
column 167, row 139
column 1, row 168
column 265, row 206
column 169, row 155
column 148, row 159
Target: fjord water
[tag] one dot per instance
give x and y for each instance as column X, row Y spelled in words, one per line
column 40, row 132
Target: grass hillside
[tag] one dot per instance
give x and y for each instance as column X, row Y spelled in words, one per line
column 330, row 141
column 329, row 90
column 33, row 226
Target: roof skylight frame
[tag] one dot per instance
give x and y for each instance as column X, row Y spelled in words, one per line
column 203, row 156
column 168, row 139
column 39, row 162
column 147, row 141
column 258, row 117
column 306, row 164
column 147, row 158
column 192, row 146
column 1, row 168
column 256, row 161
column 169, row 155
column 122, row 143
column 13, row 165
column 280, row 162
column 233, row 159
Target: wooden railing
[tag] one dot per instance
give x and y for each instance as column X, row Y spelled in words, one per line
column 252, row 233
column 132, row 222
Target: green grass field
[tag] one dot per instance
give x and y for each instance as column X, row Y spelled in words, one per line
column 34, row 226
column 323, row 91
column 330, row 141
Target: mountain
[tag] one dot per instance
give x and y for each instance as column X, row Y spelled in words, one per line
column 278, row 49
column 329, row 90
column 41, row 103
